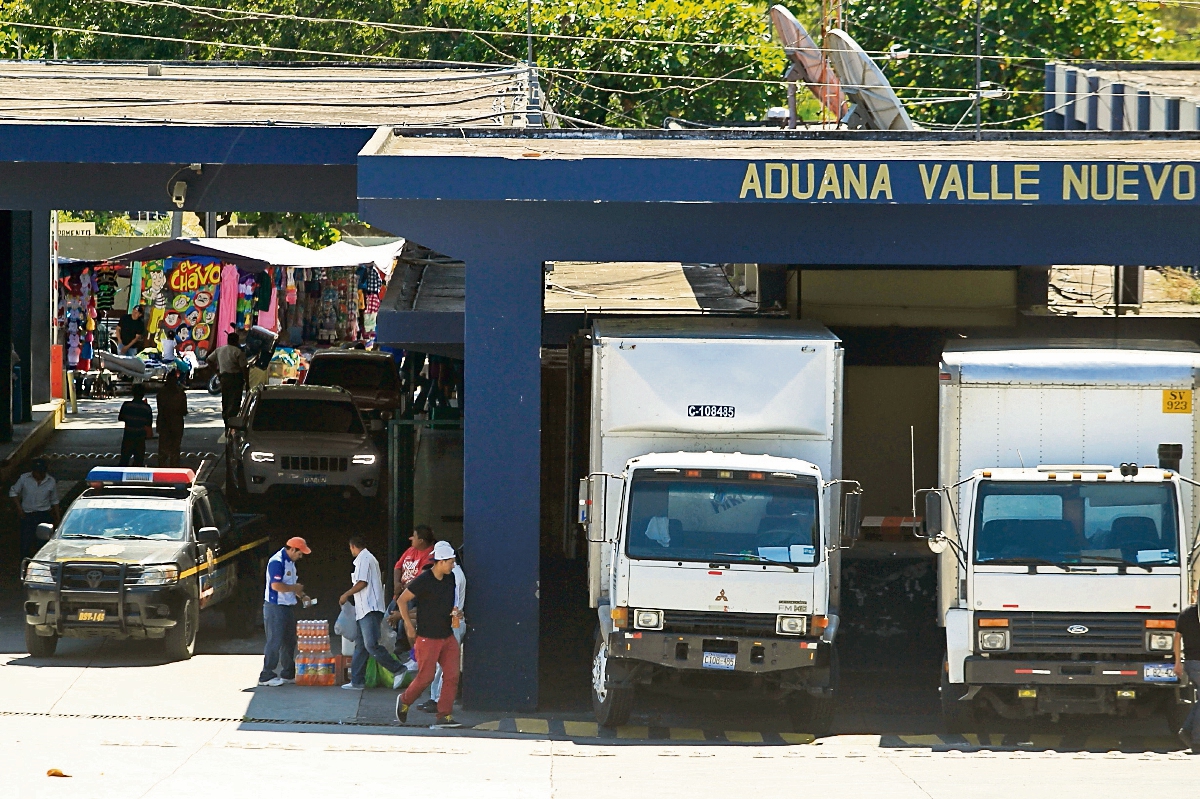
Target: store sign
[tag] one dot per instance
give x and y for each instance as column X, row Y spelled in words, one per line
column 1006, row 182
column 192, row 315
column 193, row 276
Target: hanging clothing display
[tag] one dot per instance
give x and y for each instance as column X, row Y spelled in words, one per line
column 227, row 307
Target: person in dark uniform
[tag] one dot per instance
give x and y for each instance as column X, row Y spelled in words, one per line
column 1187, row 643
column 138, row 417
column 131, row 332
column 172, row 407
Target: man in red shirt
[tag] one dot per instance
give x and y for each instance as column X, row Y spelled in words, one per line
column 414, row 559
column 432, row 635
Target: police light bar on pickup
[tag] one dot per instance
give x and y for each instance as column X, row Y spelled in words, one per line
column 120, row 475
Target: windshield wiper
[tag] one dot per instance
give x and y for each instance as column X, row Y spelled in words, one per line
column 85, row 535
column 1021, row 562
column 756, row 559
column 1123, row 562
column 128, row 536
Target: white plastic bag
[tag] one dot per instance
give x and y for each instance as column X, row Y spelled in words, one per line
column 387, row 636
column 346, row 624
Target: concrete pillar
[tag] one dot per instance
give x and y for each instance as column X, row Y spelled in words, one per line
column 41, row 302
column 6, row 325
column 21, row 259
column 501, row 480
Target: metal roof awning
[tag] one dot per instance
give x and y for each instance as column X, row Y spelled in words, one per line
column 257, row 254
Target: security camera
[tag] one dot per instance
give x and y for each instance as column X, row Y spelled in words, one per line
column 179, row 193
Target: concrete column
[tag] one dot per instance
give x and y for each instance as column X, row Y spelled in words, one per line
column 22, row 326
column 501, row 480
column 42, row 314
column 6, row 325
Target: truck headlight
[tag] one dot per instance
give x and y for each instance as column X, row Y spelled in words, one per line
column 648, row 619
column 1160, row 642
column 158, row 575
column 39, row 573
column 363, row 460
column 993, row 639
column 262, row 457
column 791, row 625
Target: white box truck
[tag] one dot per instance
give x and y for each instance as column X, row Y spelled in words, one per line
column 714, row 510
column 1061, row 526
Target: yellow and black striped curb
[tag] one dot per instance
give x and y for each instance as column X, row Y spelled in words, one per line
column 1034, row 743
column 556, row 728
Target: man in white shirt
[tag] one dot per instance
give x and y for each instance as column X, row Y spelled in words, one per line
column 35, row 495
column 232, row 367
column 369, row 605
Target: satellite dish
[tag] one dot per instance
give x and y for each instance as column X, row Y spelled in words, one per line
column 876, row 106
column 808, row 60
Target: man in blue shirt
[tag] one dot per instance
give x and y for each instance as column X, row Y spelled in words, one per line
column 283, row 591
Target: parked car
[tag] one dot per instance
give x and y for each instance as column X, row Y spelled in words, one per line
column 371, row 378
column 303, row 436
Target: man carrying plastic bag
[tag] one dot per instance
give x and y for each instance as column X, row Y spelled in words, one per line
column 367, row 593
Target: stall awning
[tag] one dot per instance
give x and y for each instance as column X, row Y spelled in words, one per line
column 256, row 254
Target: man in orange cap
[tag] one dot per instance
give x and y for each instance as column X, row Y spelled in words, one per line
column 283, row 592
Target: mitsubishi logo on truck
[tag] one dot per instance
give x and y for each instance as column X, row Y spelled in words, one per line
column 721, row 597
column 1077, row 629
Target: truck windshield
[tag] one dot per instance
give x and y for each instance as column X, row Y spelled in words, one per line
column 306, row 416
column 725, row 520
column 1076, row 523
column 124, row 518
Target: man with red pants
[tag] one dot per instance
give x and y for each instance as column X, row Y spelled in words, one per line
column 433, row 639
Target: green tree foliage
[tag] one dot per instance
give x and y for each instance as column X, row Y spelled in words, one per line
column 108, row 223
column 310, row 230
column 1024, row 32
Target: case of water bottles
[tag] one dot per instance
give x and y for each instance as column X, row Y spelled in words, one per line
column 315, row 662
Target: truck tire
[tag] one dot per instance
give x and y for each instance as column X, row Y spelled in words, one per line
column 957, row 715
column 814, row 714
column 180, row 641
column 39, row 646
column 610, row 703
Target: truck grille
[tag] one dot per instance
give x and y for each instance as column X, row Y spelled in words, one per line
column 1106, row 632
column 91, row 577
column 760, row 625
column 305, row 463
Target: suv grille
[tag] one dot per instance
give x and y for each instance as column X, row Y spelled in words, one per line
column 761, row 625
column 96, row 576
column 304, row 463
column 1106, row 632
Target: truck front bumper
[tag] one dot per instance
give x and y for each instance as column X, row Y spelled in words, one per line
column 992, row 671
column 134, row 613
column 684, row 651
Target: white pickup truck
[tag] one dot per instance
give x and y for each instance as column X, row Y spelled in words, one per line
column 714, row 511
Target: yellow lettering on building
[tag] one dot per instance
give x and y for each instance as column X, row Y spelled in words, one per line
column 1177, row 184
column 1076, row 182
column 883, row 183
column 953, row 183
column 971, row 193
column 802, row 195
column 751, row 183
column 773, row 190
column 929, row 180
column 855, row 182
column 1156, row 184
column 1126, row 177
column 829, row 184
column 1020, row 181
column 996, row 193
column 1109, row 182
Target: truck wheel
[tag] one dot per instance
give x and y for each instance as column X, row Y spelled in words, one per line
column 813, row 714
column 39, row 646
column 180, row 641
column 611, row 703
column 957, row 715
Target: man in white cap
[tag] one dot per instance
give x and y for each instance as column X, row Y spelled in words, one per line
column 433, row 640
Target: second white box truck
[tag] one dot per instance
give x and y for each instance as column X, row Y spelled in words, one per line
column 714, row 511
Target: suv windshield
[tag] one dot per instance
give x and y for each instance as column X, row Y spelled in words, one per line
column 1076, row 523
column 124, row 518
column 365, row 374
column 711, row 519
column 291, row 415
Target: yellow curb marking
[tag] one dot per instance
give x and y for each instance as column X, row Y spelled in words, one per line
column 533, row 726
column 733, row 736
column 581, row 729
column 686, row 734
column 633, row 732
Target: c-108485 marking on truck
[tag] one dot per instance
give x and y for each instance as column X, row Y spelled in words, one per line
column 717, row 411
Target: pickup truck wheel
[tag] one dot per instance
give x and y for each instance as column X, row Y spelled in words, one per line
column 180, row 640
column 39, row 646
column 957, row 715
column 610, row 703
column 814, row 714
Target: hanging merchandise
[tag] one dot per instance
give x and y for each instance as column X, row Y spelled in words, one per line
column 106, row 292
column 195, row 285
column 269, row 317
column 227, row 308
column 135, row 286
column 154, row 295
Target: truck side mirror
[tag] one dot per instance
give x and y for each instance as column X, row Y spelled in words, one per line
column 933, row 514
column 851, row 517
column 45, row 531
column 236, row 423
column 208, row 535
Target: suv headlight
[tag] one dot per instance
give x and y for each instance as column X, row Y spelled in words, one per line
column 39, row 573
column 993, row 640
column 158, row 575
column 262, row 457
column 791, row 625
column 363, row 460
column 648, row 619
column 1160, row 642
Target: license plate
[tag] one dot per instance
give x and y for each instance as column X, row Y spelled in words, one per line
column 91, row 615
column 719, row 660
column 315, row 479
column 1159, row 672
